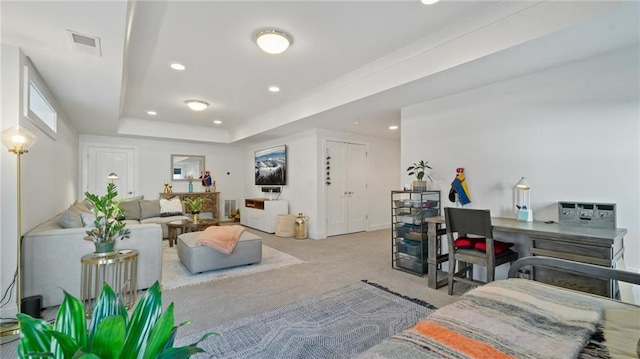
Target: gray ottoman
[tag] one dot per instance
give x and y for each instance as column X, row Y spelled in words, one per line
column 202, row 258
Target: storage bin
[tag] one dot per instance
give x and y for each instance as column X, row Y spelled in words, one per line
column 430, row 204
column 412, row 247
column 411, row 231
column 430, row 212
column 412, row 263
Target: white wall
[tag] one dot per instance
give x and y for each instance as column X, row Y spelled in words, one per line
column 48, row 170
column 572, row 130
column 305, row 188
column 154, row 165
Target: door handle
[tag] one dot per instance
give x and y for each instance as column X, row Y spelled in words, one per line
column 130, row 192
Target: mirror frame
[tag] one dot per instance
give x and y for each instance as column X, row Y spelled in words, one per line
column 175, row 158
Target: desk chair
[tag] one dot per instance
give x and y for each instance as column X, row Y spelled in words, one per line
column 480, row 248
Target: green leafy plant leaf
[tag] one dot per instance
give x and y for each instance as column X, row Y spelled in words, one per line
column 144, row 317
column 71, row 322
column 35, row 335
column 109, row 337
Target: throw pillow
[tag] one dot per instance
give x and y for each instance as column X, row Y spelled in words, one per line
column 498, row 247
column 136, row 198
column 149, row 208
column 87, row 219
column 466, row 243
column 170, row 207
column 69, row 219
column 78, row 207
column 131, row 209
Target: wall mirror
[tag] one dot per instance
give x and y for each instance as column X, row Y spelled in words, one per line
column 183, row 166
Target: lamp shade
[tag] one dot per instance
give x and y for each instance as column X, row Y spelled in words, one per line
column 18, row 140
column 522, row 184
column 273, row 41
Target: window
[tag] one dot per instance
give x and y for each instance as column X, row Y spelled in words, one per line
column 37, row 102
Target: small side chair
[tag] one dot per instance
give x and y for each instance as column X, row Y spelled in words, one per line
column 470, row 241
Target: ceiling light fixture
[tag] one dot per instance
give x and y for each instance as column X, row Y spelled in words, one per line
column 152, row 113
column 217, row 122
column 429, row 2
column 196, row 105
column 273, row 41
column 177, row 66
column 394, row 127
column 274, row 89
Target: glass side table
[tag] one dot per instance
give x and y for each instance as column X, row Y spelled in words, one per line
column 119, row 270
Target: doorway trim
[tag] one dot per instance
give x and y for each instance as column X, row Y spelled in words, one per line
column 322, row 179
column 84, row 165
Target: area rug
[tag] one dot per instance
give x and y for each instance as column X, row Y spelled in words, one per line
column 175, row 275
column 337, row 324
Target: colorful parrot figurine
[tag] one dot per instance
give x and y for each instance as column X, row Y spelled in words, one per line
column 459, row 186
column 207, row 181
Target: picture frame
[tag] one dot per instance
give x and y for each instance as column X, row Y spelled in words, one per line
column 270, row 166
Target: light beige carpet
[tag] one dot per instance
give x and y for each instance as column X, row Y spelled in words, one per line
column 175, row 275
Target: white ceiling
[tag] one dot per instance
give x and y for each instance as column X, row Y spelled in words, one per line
column 350, row 60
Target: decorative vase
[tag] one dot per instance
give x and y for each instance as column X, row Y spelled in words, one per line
column 104, row 248
column 190, row 187
column 420, row 186
column 196, row 217
column 300, row 228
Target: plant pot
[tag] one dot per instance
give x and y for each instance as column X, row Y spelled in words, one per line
column 419, row 185
column 104, row 248
column 196, row 217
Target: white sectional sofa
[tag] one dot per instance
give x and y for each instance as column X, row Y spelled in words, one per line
column 51, row 253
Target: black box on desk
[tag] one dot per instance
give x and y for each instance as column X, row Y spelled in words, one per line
column 590, row 215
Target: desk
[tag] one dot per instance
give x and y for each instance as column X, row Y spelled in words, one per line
column 119, row 270
column 589, row 245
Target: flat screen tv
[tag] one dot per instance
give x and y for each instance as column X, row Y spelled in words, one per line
column 271, row 166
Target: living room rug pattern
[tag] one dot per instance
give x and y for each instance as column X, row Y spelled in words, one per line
column 337, row 324
column 175, row 275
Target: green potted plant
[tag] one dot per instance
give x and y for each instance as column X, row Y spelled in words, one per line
column 108, row 224
column 148, row 333
column 419, row 170
column 194, row 205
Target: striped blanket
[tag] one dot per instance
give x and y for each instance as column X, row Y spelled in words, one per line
column 513, row 318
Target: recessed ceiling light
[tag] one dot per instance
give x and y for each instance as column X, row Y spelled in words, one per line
column 152, row 113
column 274, row 88
column 177, row 66
column 196, row 105
column 217, row 122
column 394, row 127
column 429, row 2
column 356, row 123
column 273, row 41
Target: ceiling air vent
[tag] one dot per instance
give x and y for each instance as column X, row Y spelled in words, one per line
column 84, row 43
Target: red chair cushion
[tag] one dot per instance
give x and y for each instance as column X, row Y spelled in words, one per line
column 466, row 243
column 498, row 247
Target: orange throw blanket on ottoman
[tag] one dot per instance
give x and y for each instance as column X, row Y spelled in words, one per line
column 221, row 238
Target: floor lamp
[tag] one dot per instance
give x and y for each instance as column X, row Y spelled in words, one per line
column 18, row 140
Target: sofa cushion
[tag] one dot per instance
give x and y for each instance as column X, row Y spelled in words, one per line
column 87, row 219
column 78, row 207
column 69, row 219
column 130, row 209
column 170, row 207
column 149, row 208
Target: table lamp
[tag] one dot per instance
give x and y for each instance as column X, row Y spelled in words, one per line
column 523, row 200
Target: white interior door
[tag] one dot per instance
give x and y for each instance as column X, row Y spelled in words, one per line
column 103, row 160
column 347, row 193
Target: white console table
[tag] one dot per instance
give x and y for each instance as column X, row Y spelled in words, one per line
column 262, row 214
